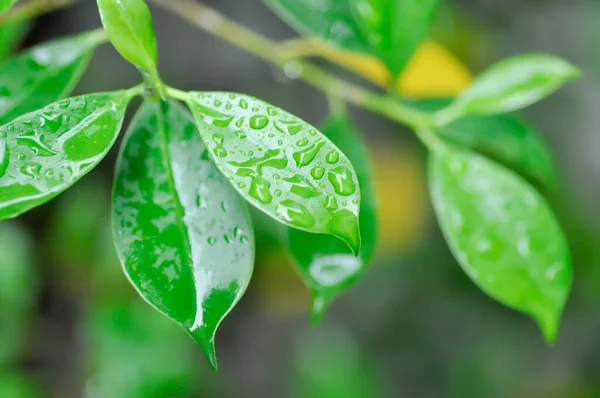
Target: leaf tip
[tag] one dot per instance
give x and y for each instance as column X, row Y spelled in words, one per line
column 548, row 322
column 345, row 226
column 319, row 306
column 206, row 341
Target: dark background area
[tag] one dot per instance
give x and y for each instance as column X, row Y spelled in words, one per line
column 413, row 326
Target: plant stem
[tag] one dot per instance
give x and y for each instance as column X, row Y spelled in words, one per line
column 215, row 23
column 32, row 9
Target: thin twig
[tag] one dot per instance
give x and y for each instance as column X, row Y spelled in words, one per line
column 217, row 24
column 33, row 9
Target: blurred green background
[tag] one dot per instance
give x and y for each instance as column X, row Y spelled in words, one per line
column 414, row 326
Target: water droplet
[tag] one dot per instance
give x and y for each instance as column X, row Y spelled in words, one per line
column 241, row 185
column 32, row 170
column 331, row 203
column 276, row 176
column 341, row 180
column 306, row 156
column 277, row 193
column 302, row 142
column 259, row 190
column 240, row 134
column 312, row 132
column 212, row 240
column 291, row 127
column 295, row 214
column 259, row 122
column 243, row 239
column 3, row 158
column 332, row 157
column 317, row 172
column 224, row 206
column 219, row 149
column 217, row 103
column 243, row 104
column 272, row 111
column 279, row 142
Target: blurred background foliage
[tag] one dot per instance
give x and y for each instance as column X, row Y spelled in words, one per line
column 414, row 326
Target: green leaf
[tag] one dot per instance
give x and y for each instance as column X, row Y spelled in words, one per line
column 45, row 152
column 6, row 5
column 503, row 234
column 514, row 83
column 505, row 138
column 11, row 35
column 325, row 263
column 280, row 164
column 129, row 27
column 43, row 74
column 388, row 29
column 183, row 234
column 395, row 28
column 18, row 288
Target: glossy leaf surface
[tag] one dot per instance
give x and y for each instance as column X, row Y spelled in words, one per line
column 5, row 5
column 183, row 234
column 129, row 27
column 389, row 29
column 506, row 138
column 503, row 234
column 18, row 288
column 42, row 75
column 45, row 152
column 281, row 164
column 11, row 34
column 515, row 83
column 325, row 263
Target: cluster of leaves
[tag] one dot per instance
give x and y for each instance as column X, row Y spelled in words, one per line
column 184, row 177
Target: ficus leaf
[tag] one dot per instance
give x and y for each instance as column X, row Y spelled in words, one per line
column 129, row 27
column 45, row 152
column 43, row 74
column 11, row 34
column 503, row 234
column 394, row 27
column 505, row 138
column 280, row 164
column 5, row 5
column 514, row 83
column 325, row 263
column 388, row 29
column 183, row 234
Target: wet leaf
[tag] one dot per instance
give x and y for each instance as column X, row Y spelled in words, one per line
column 45, row 152
column 280, row 164
column 18, row 288
column 129, row 27
column 503, row 234
column 515, row 83
column 505, row 138
column 183, row 234
column 388, row 29
column 325, row 263
column 43, row 74
column 5, row 5
column 11, row 35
